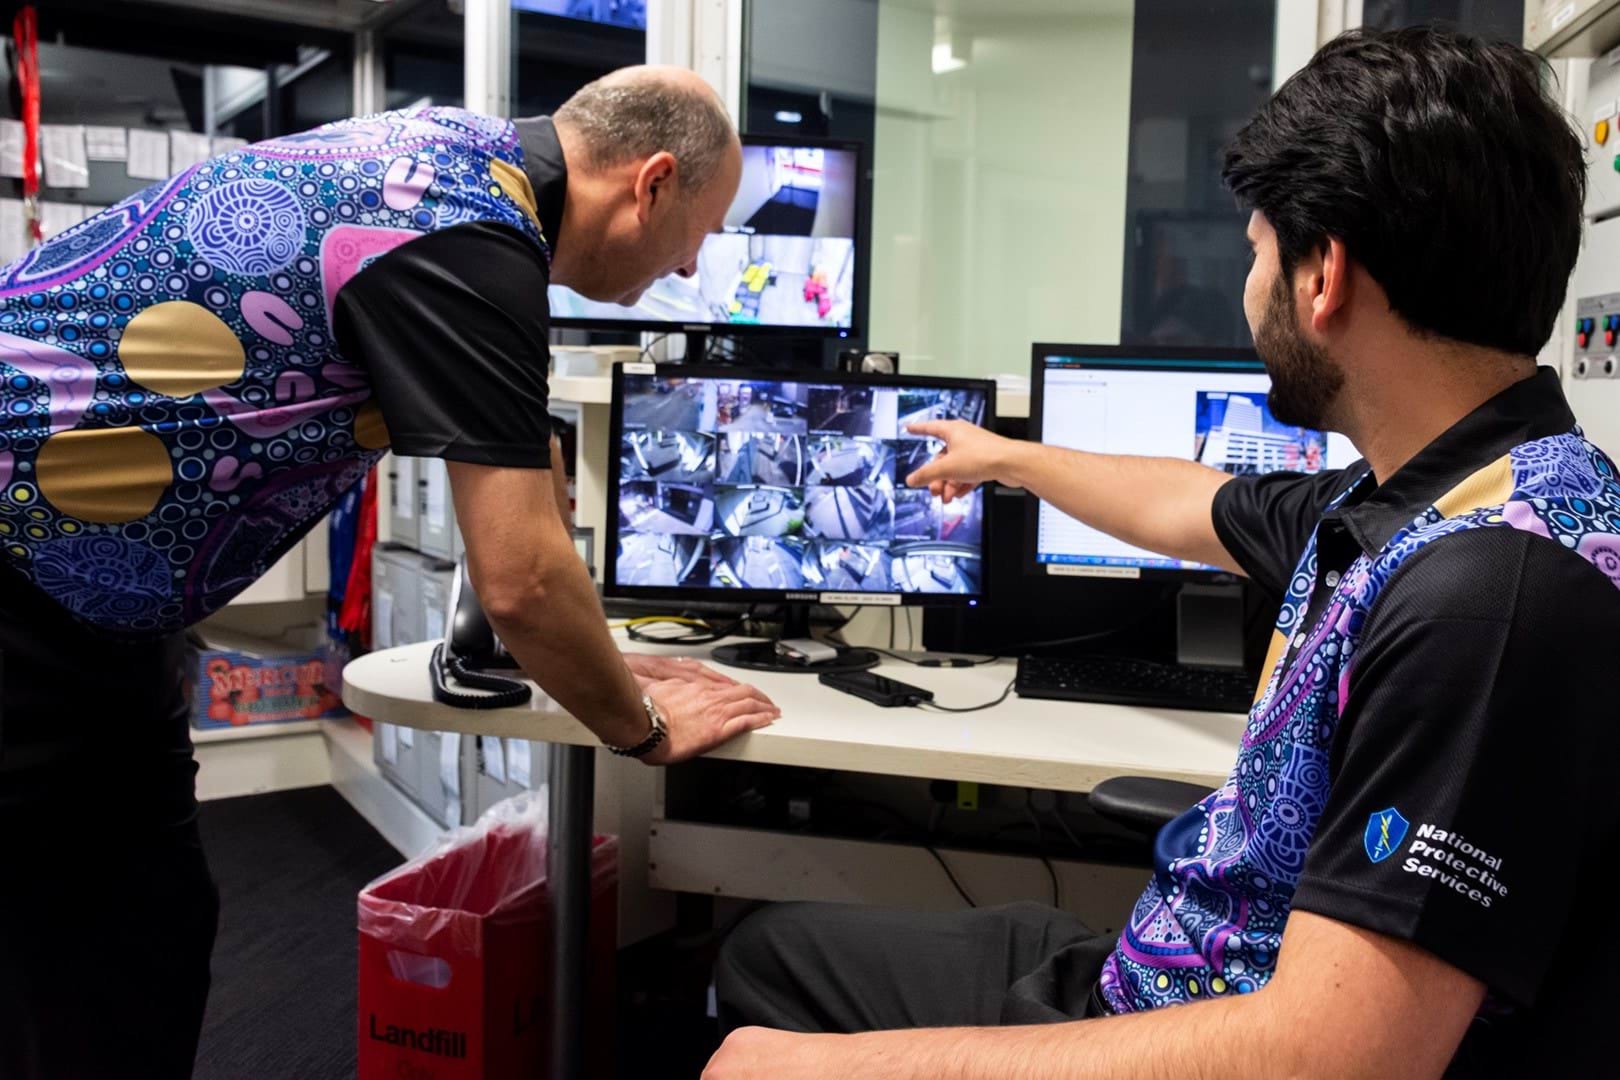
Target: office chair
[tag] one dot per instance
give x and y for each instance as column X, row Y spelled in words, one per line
column 1144, row 804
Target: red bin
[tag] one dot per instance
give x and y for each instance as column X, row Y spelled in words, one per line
column 455, row 955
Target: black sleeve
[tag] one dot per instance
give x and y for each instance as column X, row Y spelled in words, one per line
column 1264, row 522
column 453, row 328
column 1467, row 773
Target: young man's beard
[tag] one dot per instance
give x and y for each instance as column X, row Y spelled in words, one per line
column 1304, row 381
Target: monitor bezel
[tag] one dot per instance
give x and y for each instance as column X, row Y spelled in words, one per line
column 1032, row 505
column 726, row 329
column 610, row 546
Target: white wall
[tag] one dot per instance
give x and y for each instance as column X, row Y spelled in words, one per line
column 999, row 189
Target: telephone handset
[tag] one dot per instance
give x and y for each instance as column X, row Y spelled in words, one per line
column 469, row 652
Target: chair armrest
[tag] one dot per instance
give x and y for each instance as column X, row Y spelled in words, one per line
column 1143, row 803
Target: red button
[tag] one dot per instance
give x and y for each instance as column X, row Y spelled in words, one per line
column 1580, row 340
column 1608, row 338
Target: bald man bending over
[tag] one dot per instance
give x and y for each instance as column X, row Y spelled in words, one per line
column 189, row 381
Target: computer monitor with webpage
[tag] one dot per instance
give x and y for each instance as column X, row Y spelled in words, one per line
column 1205, row 405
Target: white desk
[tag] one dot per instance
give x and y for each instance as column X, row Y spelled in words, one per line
column 1063, row 746
column 1059, row 745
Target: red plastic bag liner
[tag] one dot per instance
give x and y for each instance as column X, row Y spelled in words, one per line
column 455, row 954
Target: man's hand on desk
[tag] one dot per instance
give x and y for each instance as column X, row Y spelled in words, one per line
column 645, row 666
column 702, row 708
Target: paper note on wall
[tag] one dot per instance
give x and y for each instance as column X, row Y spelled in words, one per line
column 11, row 148
column 517, row 762
column 62, row 147
column 13, row 231
column 106, row 143
column 58, row 217
column 382, row 619
column 435, row 624
column 187, row 148
column 407, row 737
column 492, row 753
column 148, row 155
column 437, row 478
column 405, row 487
column 450, row 762
column 388, row 742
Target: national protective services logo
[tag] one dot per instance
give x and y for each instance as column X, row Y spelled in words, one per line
column 1385, row 831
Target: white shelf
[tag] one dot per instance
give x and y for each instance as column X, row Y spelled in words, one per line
column 201, row 736
column 582, row 389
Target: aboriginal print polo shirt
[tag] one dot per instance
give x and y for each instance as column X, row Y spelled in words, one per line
column 190, row 379
column 1430, row 755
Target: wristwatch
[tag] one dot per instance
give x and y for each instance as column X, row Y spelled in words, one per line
column 659, row 732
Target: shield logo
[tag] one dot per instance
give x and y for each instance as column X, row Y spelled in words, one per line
column 1385, row 831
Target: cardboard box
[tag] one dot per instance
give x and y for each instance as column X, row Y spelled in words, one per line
column 239, row 680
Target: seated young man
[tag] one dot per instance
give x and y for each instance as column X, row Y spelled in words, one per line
column 1400, row 878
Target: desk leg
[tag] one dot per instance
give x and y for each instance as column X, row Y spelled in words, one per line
column 573, row 795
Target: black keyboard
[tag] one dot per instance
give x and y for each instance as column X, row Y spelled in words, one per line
column 1124, row 681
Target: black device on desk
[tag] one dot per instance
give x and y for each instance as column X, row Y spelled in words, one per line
column 1204, row 405
column 470, row 651
column 889, row 693
column 787, row 488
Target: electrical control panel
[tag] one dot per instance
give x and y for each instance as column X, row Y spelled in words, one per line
column 1596, row 330
column 1586, row 342
column 1591, row 336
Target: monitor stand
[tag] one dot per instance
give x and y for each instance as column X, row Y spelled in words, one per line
column 697, row 347
column 1209, row 626
column 762, row 655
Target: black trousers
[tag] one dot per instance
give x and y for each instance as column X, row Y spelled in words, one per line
column 846, row 968
column 107, row 909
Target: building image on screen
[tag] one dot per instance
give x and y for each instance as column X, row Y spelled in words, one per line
column 785, row 257
column 786, row 484
column 1211, row 410
column 1236, row 433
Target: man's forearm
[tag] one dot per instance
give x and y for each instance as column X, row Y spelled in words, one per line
column 561, row 639
column 1161, row 504
column 1169, row 1044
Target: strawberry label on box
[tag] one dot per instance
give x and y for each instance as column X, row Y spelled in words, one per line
column 236, row 688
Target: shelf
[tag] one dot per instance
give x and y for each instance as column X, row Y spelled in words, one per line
column 254, row 731
column 582, row 389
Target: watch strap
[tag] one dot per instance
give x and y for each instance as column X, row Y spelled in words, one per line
column 654, row 738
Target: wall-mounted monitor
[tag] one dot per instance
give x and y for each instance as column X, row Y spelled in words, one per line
column 788, row 260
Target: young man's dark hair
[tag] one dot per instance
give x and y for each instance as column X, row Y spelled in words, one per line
column 1468, row 214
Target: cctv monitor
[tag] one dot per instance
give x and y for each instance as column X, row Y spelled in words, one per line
column 787, row 488
column 786, row 260
column 1205, row 405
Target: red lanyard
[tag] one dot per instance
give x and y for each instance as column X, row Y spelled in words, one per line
column 25, row 35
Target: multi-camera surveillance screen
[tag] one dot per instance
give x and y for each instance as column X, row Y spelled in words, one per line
column 785, row 258
column 745, row 483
